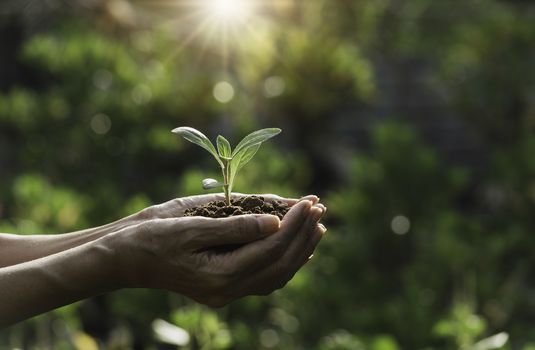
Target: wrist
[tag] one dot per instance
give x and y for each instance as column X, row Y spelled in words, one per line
column 105, row 251
column 127, row 267
column 40, row 285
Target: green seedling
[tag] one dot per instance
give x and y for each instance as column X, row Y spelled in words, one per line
column 231, row 161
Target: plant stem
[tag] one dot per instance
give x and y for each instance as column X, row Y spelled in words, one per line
column 226, row 187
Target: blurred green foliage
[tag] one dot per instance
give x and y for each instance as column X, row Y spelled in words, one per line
column 423, row 251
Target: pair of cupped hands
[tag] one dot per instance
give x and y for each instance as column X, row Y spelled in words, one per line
column 160, row 248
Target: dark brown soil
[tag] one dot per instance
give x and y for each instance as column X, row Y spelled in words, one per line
column 240, row 206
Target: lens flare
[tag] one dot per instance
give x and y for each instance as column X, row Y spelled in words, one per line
column 229, row 10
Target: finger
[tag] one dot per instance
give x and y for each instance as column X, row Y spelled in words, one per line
column 306, row 255
column 292, row 201
column 305, row 242
column 256, row 255
column 322, row 207
column 209, row 232
column 305, row 233
column 311, row 197
column 277, row 274
column 292, row 267
column 308, row 251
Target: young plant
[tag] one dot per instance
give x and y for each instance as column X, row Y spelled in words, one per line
column 231, row 161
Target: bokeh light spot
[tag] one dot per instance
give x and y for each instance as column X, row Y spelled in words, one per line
column 400, row 225
column 102, row 79
column 223, row 92
column 101, row 124
column 274, row 86
column 141, row 94
column 269, row 338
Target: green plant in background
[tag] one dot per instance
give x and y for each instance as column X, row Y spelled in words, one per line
column 231, row 161
column 92, row 102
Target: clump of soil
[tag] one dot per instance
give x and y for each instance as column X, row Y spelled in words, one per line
column 240, row 206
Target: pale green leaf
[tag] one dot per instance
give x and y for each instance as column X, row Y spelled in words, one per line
column 248, row 154
column 256, row 137
column 223, row 146
column 239, row 160
column 198, row 138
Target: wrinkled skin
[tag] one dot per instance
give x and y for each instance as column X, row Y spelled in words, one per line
column 159, row 248
column 266, row 254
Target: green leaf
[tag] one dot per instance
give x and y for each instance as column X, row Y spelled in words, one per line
column 223, row 146
column 256, row 137
column 198, row 138
column 248, row 154
column 239, row 160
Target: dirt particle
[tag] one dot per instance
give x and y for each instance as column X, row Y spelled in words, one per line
column 240, row 206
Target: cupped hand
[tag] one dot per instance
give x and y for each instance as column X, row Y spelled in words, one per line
column 215, row 261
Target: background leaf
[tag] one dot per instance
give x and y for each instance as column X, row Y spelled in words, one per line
column 97, row 101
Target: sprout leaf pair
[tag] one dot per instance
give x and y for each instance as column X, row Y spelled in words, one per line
column 231, row 161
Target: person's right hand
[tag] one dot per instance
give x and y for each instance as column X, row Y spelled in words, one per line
column 184, row 254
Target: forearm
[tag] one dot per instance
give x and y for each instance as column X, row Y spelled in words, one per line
column 37, row 286
column 16, row 249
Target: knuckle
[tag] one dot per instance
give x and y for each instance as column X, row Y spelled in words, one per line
column 147, row 227
column 176, row 202
column 147, row 213
column 240, row 226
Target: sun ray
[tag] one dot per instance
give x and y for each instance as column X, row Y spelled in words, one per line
column 225, row 26
column 193, row 35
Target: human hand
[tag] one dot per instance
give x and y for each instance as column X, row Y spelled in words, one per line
column 182, row 254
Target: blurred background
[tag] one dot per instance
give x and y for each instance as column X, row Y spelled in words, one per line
column 414, row 120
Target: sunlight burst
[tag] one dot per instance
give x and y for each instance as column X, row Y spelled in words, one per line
column 229, row 10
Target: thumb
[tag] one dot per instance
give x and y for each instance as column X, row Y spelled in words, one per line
column 237, row 229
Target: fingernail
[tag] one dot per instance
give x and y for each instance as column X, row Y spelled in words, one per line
column 322, row 228
column 310, row 197
column 310, row 257
column 268, row 223
column 307, row 204
column 322, row 207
